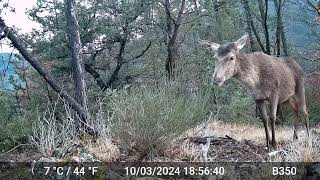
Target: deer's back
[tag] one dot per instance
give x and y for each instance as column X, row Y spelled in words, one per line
column 277, row 75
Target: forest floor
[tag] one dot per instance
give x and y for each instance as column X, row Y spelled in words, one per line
column 229, row 143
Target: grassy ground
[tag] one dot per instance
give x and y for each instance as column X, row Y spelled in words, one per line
column 246, row 140
column 182, row 149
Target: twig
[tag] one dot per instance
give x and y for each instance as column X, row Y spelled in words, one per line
column 14, row 149
column 141, row 54
column 313, row 7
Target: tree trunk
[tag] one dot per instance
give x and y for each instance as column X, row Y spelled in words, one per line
column 278, row 34
column 218, row 20
column 173, row 26
column 284, row 40
column 76, row 60
column 263, row 7
column 171, row 61
column 42, row 71
column 251, row 24
column 283, row 36
column 248, row 21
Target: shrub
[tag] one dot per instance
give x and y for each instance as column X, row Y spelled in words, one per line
column 236, row 105
column 51, row 135
column 11, row 123
column 313, row 104
column 146, row 120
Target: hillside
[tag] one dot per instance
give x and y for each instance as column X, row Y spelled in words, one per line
column 7, row 70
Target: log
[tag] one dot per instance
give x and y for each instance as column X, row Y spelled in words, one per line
column 214, row 140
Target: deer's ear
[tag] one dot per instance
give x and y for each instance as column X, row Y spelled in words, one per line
column 213, row 46
column 242, row 41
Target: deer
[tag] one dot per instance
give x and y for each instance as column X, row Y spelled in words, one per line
column 269, row 80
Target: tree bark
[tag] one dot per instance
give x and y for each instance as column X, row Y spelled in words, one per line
column 251, row 24
column 248, row 21
column 281, row 29
column 34, row 62
column 278, row 34
column 72, row 31
column 263, row 7
column 284, row 40
column 173, row 26
column 218, row 20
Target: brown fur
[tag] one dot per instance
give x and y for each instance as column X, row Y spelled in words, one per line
column 275, row 80
column 225, row 49
column 272, row 75
column 269, row 80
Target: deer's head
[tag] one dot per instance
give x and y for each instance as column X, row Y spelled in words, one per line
column 225, row 58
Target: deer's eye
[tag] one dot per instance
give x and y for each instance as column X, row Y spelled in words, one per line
column 231, row 58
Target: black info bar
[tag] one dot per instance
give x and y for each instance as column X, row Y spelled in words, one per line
column 160, row 170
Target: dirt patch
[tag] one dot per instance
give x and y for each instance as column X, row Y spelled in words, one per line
column 23, row 155
column 227, row 149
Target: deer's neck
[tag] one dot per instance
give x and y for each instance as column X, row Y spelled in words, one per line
column 247, row 71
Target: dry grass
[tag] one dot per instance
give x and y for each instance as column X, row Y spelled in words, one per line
column 295, row 150
column 51, row 137
column 182, row 149
column 104, row 149
column 47, row 133
column 241, row 132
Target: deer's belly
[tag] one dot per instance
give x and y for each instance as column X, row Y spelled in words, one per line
column 286, row 89
column 258, row 94
column 285, row 95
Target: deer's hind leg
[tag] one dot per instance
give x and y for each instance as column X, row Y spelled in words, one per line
column 273, row 101
column 294, row 106
column 301, row 103
column 261, row 104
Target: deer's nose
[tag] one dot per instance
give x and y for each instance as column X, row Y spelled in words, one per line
column 216, row 79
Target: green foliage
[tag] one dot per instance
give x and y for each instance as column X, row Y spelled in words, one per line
column 313, row 104
column 151, row 117
column 11, row 132
column 236, row 105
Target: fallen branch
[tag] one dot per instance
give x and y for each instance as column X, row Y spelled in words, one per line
column 214, row 140
column 2, row 154
column 34, row 62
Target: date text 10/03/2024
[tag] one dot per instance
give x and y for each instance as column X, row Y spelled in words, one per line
column 173, row 171
column 195, row 171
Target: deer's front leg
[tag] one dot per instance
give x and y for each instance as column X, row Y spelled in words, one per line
column 273, row 115
column 261, row 104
